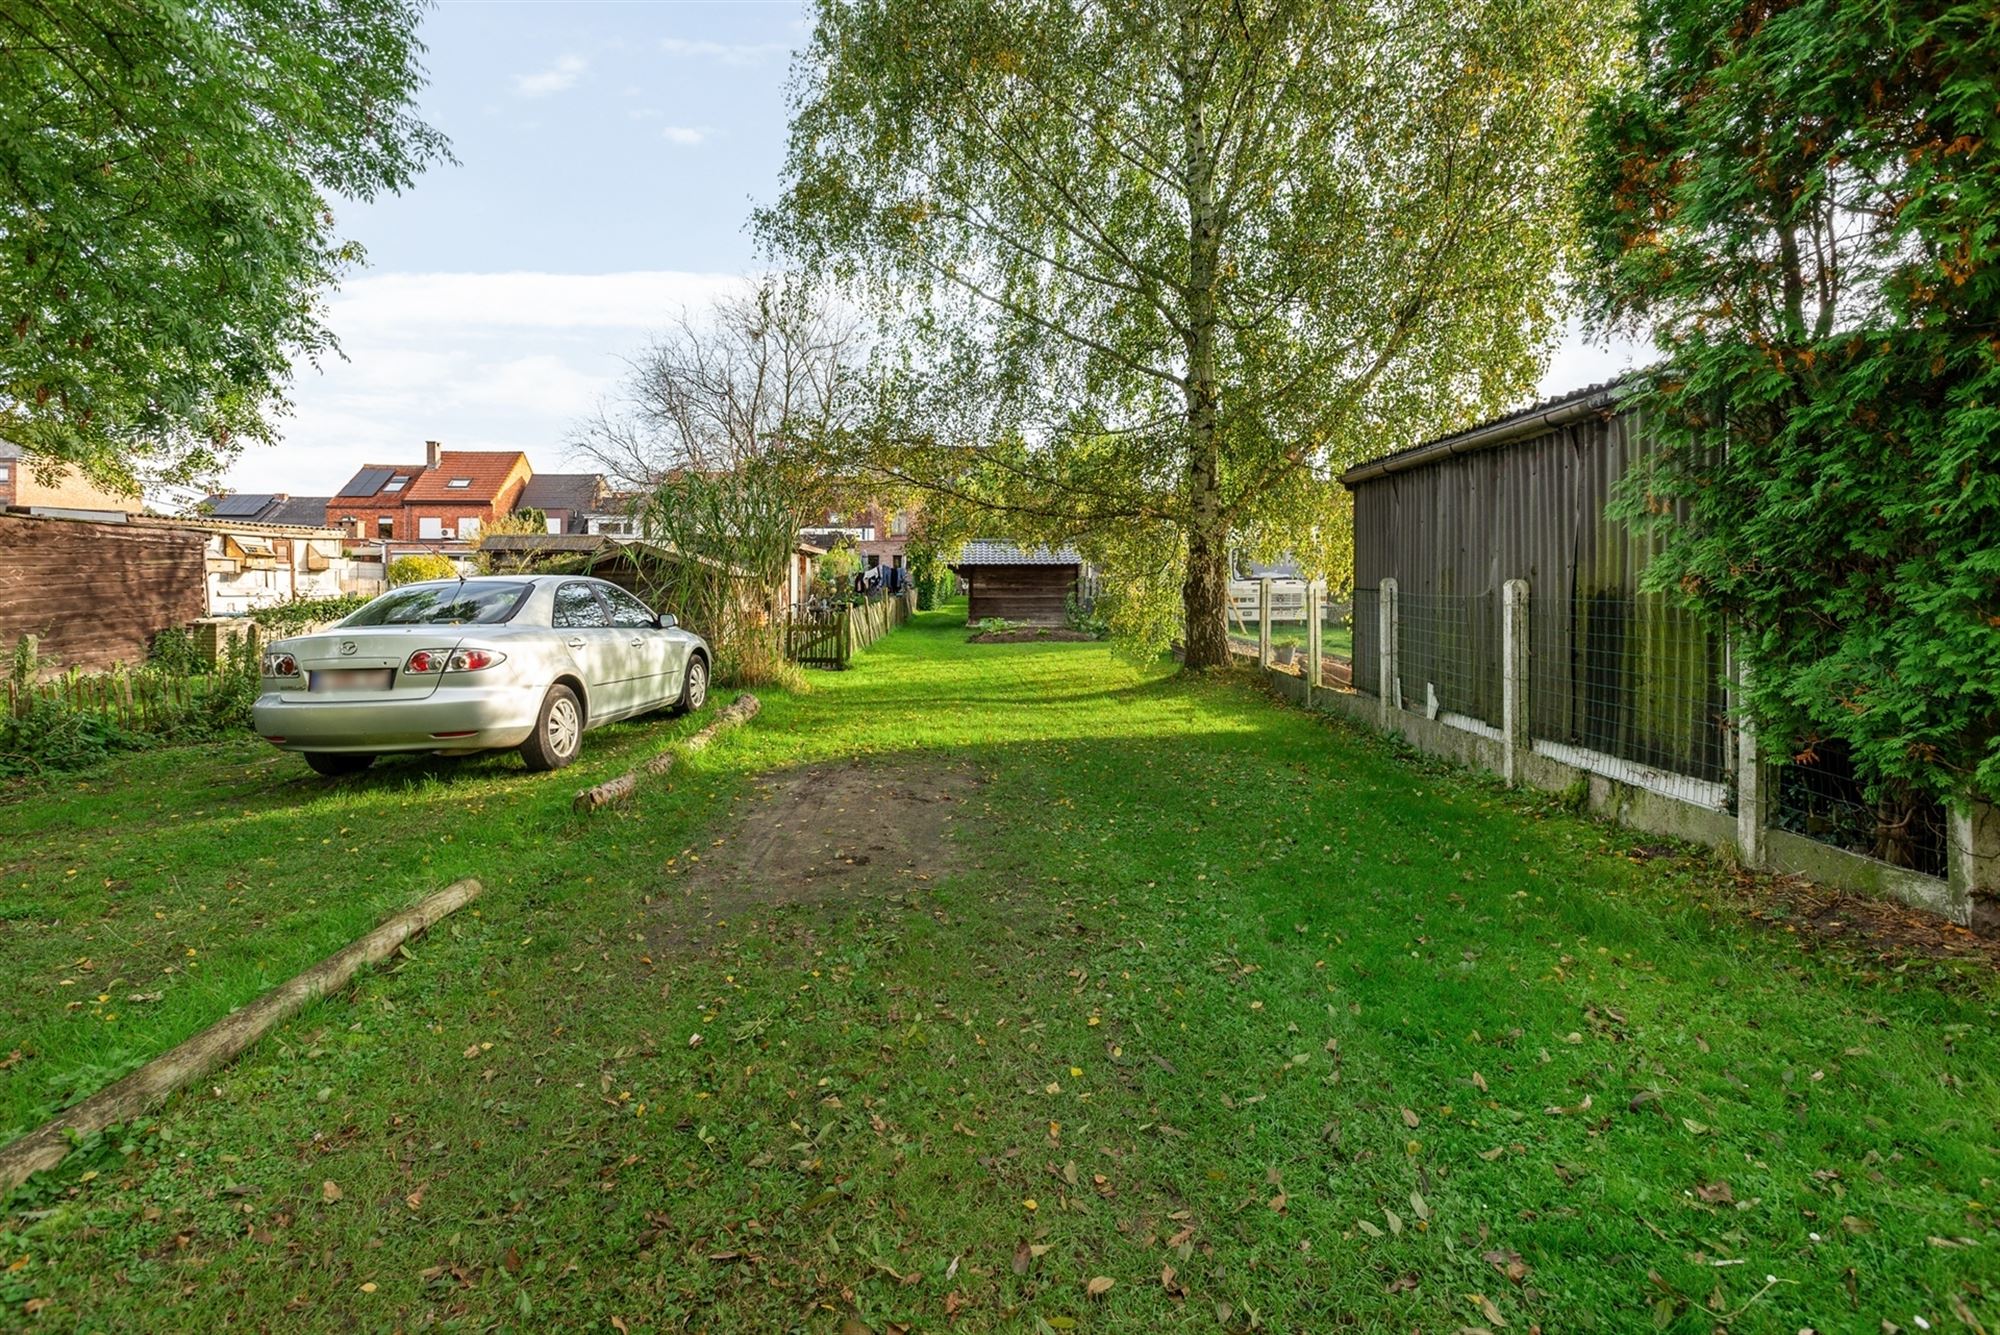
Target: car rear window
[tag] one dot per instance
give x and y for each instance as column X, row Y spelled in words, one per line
column 476, row 602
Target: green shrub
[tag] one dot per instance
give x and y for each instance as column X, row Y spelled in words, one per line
column 1086, row 619
column 173, row 650
column 420, row 566
column 297, row 615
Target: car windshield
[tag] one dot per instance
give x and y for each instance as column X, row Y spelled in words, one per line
column 477, row 602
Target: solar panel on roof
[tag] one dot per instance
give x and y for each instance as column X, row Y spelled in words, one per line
column 367, row 482
column 240, row 507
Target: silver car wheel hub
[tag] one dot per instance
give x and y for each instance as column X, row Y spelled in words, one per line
column 562, row 727
column 698, row 687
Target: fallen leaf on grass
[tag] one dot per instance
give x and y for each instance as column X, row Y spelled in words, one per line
column 1395, row 1222
column 1479, row 1082
column 1508, row 1263
column 329, row 1191
column 1099, row 1286
column 1403, row 1283
column 1553, row 1111
column 1486, row 1308
column 1410, row 1118
column 1492, row 1154
column 1716, row 1193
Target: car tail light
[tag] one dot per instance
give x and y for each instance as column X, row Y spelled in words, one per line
column 474, row 660
column 280, row 665
column 453, row 660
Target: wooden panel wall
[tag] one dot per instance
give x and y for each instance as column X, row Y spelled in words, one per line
column 96, row 594
column 1033, row 595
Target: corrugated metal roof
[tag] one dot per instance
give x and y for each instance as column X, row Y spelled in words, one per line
column 1534, row 418
column 994, row 552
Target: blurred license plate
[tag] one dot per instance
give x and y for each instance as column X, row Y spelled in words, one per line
column 352, row 679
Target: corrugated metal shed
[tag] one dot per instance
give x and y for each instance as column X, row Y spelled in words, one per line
column 1524, row 497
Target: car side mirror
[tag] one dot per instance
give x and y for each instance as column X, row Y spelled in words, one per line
column 666, row 621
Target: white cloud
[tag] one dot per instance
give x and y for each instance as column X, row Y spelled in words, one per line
column 685, row 134
column 478, row 361
column 554, row 79
column 735, row 54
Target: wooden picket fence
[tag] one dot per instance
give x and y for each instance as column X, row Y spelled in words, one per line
column 137, row 701
column 830, row 636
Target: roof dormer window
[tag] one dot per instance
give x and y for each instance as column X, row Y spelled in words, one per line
column 397, row 484
column 459, row 482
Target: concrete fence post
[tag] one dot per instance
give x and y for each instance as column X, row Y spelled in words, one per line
column 1313, row 592
column 1263, row 623
column 1972, row 871
column 1753, row 796
column 1388, row 691
column 1514, row 726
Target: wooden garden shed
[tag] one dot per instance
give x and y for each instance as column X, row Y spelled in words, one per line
column 1028, row 585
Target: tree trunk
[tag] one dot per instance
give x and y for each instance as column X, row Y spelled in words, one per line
column 1205, row 592
column 1205, row 595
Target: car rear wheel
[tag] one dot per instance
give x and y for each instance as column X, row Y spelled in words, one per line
column 334, row 764
column 694, row 690
column 558, row 733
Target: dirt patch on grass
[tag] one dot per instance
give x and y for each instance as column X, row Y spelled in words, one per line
column 1887, row 929
column 839, row 830
column 1046, row 634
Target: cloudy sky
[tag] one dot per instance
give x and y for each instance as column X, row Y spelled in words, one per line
column 609, row 156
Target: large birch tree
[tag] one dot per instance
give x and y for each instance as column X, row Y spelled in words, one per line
column 1166, row 265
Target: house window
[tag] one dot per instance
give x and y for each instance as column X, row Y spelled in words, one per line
column 397, row 484
column 460, row 482
column 555, row 525
column 385, row 527
column 430, row 526
column 3, row 472
column 468, row 528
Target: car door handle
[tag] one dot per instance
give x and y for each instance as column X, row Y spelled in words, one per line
column 575, row 641
column 638, row 640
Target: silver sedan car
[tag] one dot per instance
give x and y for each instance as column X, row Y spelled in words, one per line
column 479, row 664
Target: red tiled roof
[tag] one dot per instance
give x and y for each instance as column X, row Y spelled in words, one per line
column 487, row 470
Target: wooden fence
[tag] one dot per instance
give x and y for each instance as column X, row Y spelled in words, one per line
column 137, row 701
column 828, row 637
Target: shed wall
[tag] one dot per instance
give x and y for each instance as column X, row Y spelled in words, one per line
column 1609, row 668
column 1035, row 595
column 96, row 594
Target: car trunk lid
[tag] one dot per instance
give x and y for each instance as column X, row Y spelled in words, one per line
column 366, row 663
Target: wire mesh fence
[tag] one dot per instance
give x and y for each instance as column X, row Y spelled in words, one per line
column 1635, row 679
column 1448, row 654
column 1365, row 634
column 1818, row 794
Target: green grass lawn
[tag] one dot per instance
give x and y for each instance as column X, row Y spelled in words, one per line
column 1240, row 1010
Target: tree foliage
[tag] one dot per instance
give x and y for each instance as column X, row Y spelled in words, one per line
column 731, row 426
column 1804, row 200
column 166, row 230
column 1174, row 263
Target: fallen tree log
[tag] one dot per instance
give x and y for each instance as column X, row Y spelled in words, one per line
column 741, row 710
column 152, row 1084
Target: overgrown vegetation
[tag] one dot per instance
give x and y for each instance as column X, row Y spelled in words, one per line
column 1801, row 198
column 295, row 616
column 74, row 720
column 417, row 567
column 1322, row 1040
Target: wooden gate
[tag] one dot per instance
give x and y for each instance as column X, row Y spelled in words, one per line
column 817, row 637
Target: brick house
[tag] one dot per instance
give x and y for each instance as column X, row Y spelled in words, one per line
column 63, row 491
column 461, row 492
column 446, row 499
column 370, row 506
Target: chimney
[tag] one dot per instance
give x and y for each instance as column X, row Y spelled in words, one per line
column 432, row 449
